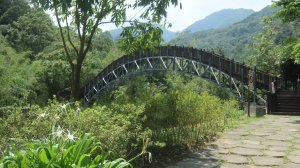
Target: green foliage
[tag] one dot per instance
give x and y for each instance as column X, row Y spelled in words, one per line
column 17, row 79
column 289, row 12
column 289, row 9
column 139, row 36
column 11, row 10
column 296, row 52
column 118, row 128
column 62, row 150
column 166, row 110
column 32, row 31
column 268, row 54
column 234, row 41
column 85, row 19
column 178, row 112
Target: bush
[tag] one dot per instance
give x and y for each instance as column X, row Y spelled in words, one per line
column 62, row 150
column 168, row 111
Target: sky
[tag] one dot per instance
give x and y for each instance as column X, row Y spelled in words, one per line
column 194, row 10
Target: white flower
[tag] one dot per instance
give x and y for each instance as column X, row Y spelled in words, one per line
column 64, row 106
column 150, row 157
column 58, row 133
column 43, row 115
column 70, row 136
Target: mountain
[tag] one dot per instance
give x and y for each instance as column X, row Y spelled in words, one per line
column 115, row 33
column 233, row 41
column 167, row 34
column 220, row 19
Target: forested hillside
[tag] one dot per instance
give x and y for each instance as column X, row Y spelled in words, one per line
column 220, row 19
column 167, row 35
column 234, row 41
column 33, row 67
column 261, row 40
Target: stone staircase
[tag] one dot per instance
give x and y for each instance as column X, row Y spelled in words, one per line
column 286, row 103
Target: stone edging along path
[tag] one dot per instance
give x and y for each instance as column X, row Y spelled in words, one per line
column 271, row 142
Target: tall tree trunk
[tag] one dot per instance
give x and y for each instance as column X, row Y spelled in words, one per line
column 75, row 85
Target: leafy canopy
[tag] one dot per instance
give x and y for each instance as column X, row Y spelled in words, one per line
column 290, row 10
column 85, row 16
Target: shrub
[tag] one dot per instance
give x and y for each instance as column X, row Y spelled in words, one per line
column 60, row 151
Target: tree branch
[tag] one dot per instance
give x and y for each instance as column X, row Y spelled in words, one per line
column 99, row 18
column 62, row 37
column 125, row 21
column 69, row 37
column 77, row 21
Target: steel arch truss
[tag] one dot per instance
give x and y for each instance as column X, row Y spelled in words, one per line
column 162, row 63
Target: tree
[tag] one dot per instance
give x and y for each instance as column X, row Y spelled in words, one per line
column 32, row 31
column 268, row 54
column 290, row 12
column 85, row 16
column 290, row 9
column 11, row 10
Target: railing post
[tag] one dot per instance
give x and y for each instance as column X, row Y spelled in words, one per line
column 254, row 85
column 298, row 85
column 242, row 81
column 209, row 64
column 230, row 73
column 174, row 57
column 190, row 60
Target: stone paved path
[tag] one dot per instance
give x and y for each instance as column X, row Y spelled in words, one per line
column 272, row 142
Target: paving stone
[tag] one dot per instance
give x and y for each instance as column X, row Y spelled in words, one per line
column 254, row 138
column 296, row 135
column 246, row 151
column 296, row 141
column 251, row 166
column 261, row 133
column 292, row 130
column 261, row 144
column 296, row 146
column 296, row 153
column 228, row 136
column 276, row 143
column 285, row 133
column 274, row 153
column 230, row 141
column 229, row 165
column 251, row 142
column 253, row 146
column 242, row 133
column 228, row 146
column 279, row 148
column 294, row 159
column 267, row 161
column 223, row 151
column 235, row 159
column 290, row 165
column 279, row 137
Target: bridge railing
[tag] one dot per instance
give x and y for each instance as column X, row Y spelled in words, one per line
column 234, row 69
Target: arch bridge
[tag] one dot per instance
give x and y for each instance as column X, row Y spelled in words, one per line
column 223, row 71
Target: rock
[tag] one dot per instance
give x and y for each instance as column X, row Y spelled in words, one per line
column 245, row 151
column 235, row 159
column 294, row 159
column 267, row 161
column 274, row 153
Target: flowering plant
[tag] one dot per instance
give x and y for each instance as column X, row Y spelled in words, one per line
column 62, row 150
